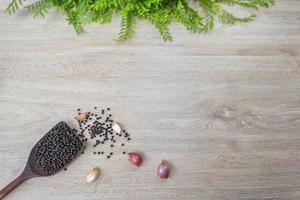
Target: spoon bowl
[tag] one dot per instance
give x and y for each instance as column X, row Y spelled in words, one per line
column 42, row 161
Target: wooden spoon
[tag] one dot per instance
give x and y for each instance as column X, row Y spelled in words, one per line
column 32, row 168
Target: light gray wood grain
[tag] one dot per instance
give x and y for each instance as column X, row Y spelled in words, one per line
column 223, row 108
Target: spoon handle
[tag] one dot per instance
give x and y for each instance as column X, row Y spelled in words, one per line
column 24, row 176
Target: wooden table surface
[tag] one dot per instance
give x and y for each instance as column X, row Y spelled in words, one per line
column 222, row 108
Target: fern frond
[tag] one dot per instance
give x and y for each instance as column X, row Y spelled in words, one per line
column 14, row 6
column 188, row 16
column 208, row 25
column 164, row 32
column 161, row 22
column 39, row 8
column 75, row 20
column 228, row 18
column 161, row 13
column 127, row 27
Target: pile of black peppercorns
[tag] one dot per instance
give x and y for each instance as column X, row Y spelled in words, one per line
column 97, row 128
column 58, row 148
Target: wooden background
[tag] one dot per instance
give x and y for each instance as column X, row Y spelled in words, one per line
column 223, row 108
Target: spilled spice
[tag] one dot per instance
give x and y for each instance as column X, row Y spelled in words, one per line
column 99, row 129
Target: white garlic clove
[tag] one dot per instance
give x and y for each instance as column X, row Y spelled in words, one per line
column 116, row 127
column 93, row 175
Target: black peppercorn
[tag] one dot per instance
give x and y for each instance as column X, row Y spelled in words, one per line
column 58, row 148
column 99, row 129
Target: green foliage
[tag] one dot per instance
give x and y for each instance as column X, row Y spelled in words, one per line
column 127, row 27
column 161, row 13
column 39, row 8
column 14, row 6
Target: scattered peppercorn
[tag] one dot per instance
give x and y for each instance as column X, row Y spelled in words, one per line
column 101, row 130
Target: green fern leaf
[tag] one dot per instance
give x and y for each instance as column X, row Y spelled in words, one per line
column 14, row 6
column 127, row 27
column 39, row 8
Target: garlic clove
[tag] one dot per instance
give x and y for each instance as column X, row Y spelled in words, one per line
column 116, row 127
column 93, row 175
column 163, row 169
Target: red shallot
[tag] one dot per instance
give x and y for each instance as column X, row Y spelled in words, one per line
column 135, row 158
column 163, row 169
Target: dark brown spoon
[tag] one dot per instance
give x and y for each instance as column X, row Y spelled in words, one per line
column 33, row 167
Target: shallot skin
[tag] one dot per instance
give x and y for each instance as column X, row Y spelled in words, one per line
column 163, row 170
column 135, row 158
